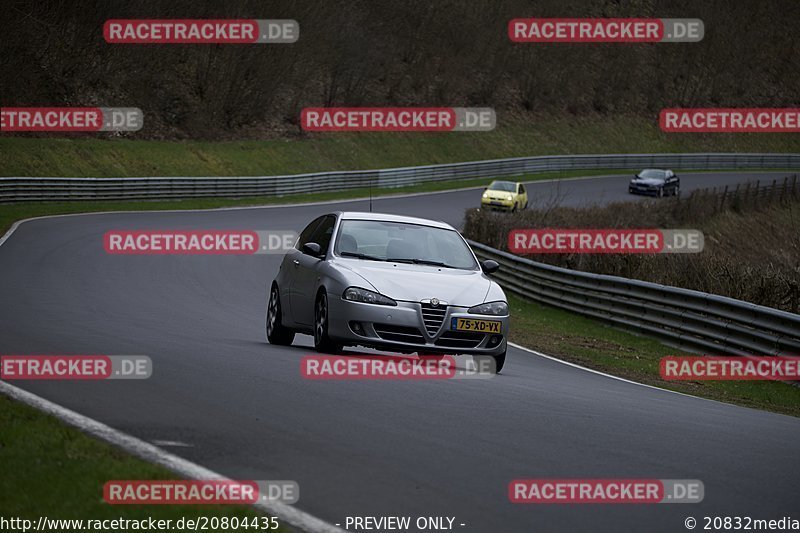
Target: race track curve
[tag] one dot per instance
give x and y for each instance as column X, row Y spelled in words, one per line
column 443, row 448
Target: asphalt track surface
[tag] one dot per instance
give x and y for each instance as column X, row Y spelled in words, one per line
column 381, row 448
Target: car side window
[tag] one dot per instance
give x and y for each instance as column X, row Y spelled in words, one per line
column 322, row 234
column 521, row 189
column 306, row 234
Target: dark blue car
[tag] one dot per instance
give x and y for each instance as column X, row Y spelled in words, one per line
column 656, row 182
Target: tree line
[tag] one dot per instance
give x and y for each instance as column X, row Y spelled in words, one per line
column 385, row 52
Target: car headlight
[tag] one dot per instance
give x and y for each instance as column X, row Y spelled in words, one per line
column 509, row 197
column 490, row 308
column 356, row 294
column 486, row 195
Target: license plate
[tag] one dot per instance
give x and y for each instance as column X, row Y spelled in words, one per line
column 473, row 324
column 496, row 203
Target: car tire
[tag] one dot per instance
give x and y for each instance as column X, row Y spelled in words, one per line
column 499, row 362
column 676, row 191
column 661, row 192
column 526, row 205
column 277, row 333
column 322, row 342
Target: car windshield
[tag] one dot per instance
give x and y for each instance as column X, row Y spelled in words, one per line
column 507, row 186
column 379, row 240
column 652, row 173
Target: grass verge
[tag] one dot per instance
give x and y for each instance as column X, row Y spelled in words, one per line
column 593, row 344
column 52, row 469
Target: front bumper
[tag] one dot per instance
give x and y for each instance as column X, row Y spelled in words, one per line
column 503, row 205
column 643, row 189
column 403, row 329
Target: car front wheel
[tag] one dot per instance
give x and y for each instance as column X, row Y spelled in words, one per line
column 322, row 342
column 499, row 362
column 276, row 332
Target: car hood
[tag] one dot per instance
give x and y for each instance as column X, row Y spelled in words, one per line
column 413, row 283
column 648, row 181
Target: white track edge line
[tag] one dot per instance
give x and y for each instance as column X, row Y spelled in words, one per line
column 618, row 378
column 148, row 452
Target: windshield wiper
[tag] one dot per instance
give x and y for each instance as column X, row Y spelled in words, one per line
column 420, row 262
column 361, row 256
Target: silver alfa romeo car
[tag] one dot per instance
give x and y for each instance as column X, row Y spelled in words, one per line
column 388, row 282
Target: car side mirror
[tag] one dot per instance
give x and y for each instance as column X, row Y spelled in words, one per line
column 490, row 266
column 312, row 248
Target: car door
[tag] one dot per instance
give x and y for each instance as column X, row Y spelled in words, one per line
column 306, row 275
column 670, row 182
column 523, row 196
column 289, row 269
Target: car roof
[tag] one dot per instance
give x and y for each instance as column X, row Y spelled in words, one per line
column 386, row 217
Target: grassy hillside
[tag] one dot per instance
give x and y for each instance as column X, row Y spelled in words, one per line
column 521, row 136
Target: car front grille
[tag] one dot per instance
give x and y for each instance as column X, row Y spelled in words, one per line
column 460, row 339
column 394, row 333
column 433, row 318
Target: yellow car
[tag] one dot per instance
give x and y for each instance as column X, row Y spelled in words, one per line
column 505, row 196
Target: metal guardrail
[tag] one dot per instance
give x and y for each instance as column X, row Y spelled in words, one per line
column 72, row 189
column 695, row 320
